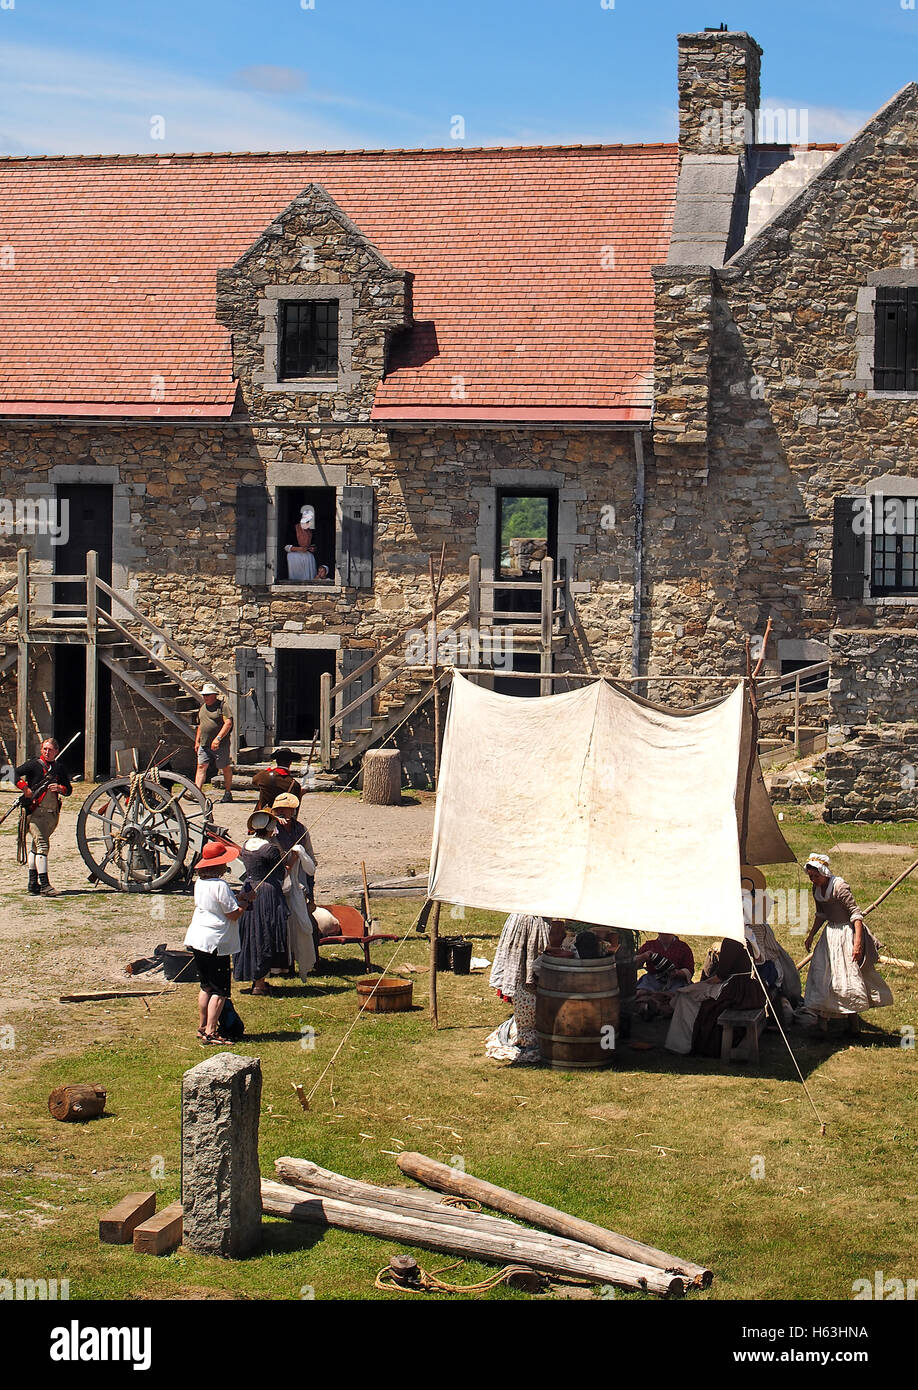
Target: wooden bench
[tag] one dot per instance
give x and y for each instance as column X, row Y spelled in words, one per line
column 753, row 1020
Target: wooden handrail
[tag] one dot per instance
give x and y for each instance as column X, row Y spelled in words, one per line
column 396, row 642
column 10, row 585
column 147, row 653
column 163, row 636
column 56, row 578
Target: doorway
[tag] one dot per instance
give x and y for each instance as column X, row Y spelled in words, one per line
column 298, row 671
column 527, row 532
column 86, row 510
column 69, row 687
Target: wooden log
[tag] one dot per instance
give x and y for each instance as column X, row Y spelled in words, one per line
column 382, row 777
column 77, row 1102
column 894, row 960
column 444, row 1179
column 93, row 996
column 531, row 1248
column 161, row 1233
column 116, row 1226
column 321, row 1182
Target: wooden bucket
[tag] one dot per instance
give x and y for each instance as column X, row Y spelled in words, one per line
column 577, row 1012
column 384, row 994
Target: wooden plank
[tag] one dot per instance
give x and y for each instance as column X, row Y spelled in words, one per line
column 531, row 1248
column 92, row 996
column 91, row 708
column 444, row 1179
column 116, row 1226
column 160, row 1233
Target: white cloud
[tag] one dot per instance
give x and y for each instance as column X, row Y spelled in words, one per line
column 266, row 77
column 825, row 125
column 59, row 102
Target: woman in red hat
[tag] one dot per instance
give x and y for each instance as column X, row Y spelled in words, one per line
column 213, row 935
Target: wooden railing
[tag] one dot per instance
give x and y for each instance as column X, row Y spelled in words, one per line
column 548, row 621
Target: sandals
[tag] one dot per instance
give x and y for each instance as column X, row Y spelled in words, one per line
column 214, row 1040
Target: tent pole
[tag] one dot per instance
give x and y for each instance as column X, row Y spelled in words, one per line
column 434, row 934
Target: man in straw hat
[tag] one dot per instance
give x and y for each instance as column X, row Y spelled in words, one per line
column 211, row 739
column 213, row 935
column 843, row 980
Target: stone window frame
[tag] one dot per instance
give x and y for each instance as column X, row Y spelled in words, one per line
column 890, row 485
column 299, row 641
column 302, row 475
column 866, row 331
column 269, row 308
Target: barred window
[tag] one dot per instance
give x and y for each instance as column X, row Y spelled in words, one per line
column 308, row 338
column 894, row 563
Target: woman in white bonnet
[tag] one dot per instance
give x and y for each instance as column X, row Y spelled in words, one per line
column 301, row 558
column 843, row 980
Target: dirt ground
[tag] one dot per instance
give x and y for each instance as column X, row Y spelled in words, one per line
column 82, row 939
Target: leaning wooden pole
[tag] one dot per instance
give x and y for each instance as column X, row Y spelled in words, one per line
column 434, row 935
column 531, row 1248
column 444, row 1179
column 434, row 644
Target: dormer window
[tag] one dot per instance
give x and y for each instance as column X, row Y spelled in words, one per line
column 308, row 339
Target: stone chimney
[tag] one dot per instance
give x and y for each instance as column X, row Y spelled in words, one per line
column 718, row 92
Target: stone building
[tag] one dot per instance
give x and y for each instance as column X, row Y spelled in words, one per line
column 685, row 372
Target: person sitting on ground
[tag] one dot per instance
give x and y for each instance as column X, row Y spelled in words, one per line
column 213, row 935
column 669, row 966
column 272, row 781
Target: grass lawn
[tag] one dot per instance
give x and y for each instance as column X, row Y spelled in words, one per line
column 660, row 1148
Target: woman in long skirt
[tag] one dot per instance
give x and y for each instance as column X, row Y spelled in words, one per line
column 263, row 926
column 843, row 980
column 522, row 941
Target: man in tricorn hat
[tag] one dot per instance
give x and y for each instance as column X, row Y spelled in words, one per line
column 44, row 777
column 277, row 779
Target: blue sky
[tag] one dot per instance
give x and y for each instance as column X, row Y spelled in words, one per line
column 273, row 74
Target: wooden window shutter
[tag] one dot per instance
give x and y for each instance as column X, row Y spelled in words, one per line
column 895, row 358
column 357, row 537
column 251, row 534
column 250, row 708
column 848, row 553
column 359, row 718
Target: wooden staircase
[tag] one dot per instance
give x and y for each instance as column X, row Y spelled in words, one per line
column 392, row 713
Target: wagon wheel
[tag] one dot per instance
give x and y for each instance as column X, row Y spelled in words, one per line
column 135, row 838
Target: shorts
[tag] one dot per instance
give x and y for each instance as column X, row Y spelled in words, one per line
column 214, row 971
column 219, row 759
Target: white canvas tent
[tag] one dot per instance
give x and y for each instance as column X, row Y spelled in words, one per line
column 599, row 806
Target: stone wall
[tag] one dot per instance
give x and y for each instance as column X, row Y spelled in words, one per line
column 791, row 423
column 874, row 776
column 176, row 559
column 717, row 70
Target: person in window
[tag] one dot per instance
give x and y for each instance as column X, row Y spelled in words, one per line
column 301, row 558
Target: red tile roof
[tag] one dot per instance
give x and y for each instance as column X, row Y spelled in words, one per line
column 109, row 309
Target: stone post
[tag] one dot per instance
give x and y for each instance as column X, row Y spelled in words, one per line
column 221, row 1182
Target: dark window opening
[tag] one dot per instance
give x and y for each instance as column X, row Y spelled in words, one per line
column 895, row 359
column 308, row 338
column 527, row 532
column 297, row 569
column 893, row 567
column 510, row 685
column 299, row 674
column 817, row 682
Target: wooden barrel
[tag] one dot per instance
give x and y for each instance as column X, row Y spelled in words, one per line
column 384, row 994
column 78, row 1102
column 577, row 1012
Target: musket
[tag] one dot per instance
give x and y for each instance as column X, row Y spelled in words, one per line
column 29, row 796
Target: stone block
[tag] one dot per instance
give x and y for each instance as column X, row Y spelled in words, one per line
column 221, row 1182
